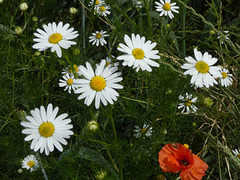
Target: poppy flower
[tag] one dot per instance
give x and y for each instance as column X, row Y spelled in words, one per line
column 176, row 157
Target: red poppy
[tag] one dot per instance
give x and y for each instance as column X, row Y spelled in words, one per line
column 178, row 158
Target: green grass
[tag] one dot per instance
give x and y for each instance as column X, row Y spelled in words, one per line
column 29, row 80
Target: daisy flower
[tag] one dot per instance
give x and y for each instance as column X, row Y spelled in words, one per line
column 30, row 163
column 71, row 69
column 96, row 2
column 138, row 53
column 54, row 37
column 225, row 79
column 46, row 130
column 140, row 131
column 186, row 103
column 109, row 62
column 98, row 37
column 236, row 153
column 99, row 85
column 102, row 10
column 226, row 36
column 201, row 69
column 138, row 3
column 67, row 82
column 166, row 8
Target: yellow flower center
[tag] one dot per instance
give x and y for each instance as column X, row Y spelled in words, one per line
column 166, row 7
column 97, row 2
column 143, row 130
column 107, row 63
column 238, row 156
column 55, row 38
column 138, row 53
column 224, row 75
column 69, row 82
column 186, row 146
column 46, row 129
column 98, row 35
column 202, row 67
column 98, row 83
column 187, row 102
column 31, row 164
column 102, row 8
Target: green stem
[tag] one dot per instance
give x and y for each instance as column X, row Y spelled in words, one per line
column 113, row 125
column 184, row 35
column 146, row 3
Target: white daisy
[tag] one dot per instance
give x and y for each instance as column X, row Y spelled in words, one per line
column 138, row 3
column 236, row 153
column 140, row 131
column 102, row 10
column 138, row 53
column 99, row 84
column 109, row 62
column 54, row 37
column 71, row 70
column 30, row 163
column 201, row 69
column 166, row 8
column 187, row 103
column 226, row 36
column 46, row 130
column 96, row 2
column 226, row 79
column 98, row 37
column 67, row 82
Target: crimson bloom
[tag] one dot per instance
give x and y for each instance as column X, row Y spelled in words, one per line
column 176, row 157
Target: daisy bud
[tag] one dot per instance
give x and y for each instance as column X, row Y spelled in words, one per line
column 194, row 124
column 101, row 175
column 208, row 102
column 1, row 1
column 93, row 125
column 73, row 10
column 212, row 32
column 168, row 25
column 34, row 18
column 20, row 171
column 37, row 53
column 18, row 30
column 23, row 6
column 76, row 51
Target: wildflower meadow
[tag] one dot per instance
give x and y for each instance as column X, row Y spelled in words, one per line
column 120, row 89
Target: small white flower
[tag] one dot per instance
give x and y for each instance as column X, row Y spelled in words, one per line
column 140, row 131
column 138, row 53
column 109, row 62
column 201, row 69
column 102, row 10
column 166, row 8
column 99, row 85
column 138, row 3
column 96, row 2
column 226, row 36
column 73, row 10
column 54, row 37
column 23, row 6
column 30, row 163
column 46, row 130
column 186, row 103
column 236, row 153
column 70, row 70
column 98, row 38
column 226, row 79
column 68, row 83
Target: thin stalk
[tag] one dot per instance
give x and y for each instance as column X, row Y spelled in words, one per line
column 184, row 35
column 146, row 3
column 83, row 26
column 44, row 173
column 113, row 125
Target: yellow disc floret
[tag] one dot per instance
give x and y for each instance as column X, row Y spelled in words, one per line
column 46, row 129
column 98, row 83
column 138, row 53
column 97, row 2
column 102, row 8
column 188, row 102
column 55, row 38
column 166, row 7
column 98, row 35
column 69, row 82
column 224, row 75
column 202, row 67
column 143, row 130
column 31, row 164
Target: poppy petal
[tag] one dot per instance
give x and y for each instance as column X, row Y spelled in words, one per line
column 196, row 171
